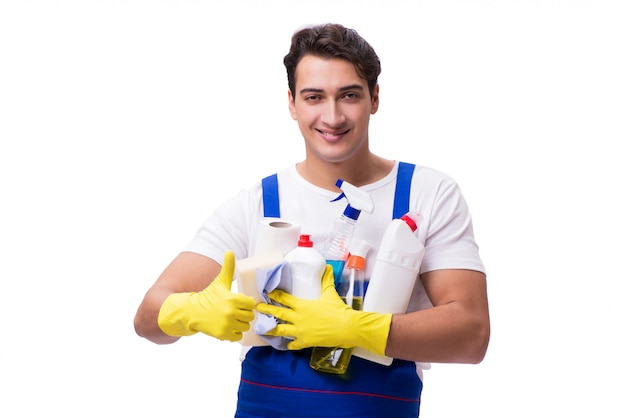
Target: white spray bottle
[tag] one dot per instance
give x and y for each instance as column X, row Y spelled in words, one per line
column 394, row 274
column 336, row 248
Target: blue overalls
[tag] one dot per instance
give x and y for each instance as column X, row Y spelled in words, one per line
column 281, row 384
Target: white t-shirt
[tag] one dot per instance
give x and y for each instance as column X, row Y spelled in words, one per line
column 445, row 230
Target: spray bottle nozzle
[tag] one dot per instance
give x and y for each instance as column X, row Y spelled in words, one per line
column 351, row 212
column 358, row 251
column 358, row 199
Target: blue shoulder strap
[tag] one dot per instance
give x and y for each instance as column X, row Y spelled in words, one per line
column 403, row 189
column 271, row 205
column 271, row 201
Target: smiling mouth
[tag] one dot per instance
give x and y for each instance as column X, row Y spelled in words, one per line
column 333, row 136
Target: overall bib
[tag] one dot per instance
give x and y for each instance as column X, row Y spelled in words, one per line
column 281, row 384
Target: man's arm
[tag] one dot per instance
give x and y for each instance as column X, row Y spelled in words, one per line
column 455, row 330
column 188, row 272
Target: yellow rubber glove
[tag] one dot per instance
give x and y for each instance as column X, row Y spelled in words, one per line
column 215, row 311
column 327, row 321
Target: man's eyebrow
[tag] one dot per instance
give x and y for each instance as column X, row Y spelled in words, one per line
column 311, row 90
column 352, row 87
column 341, row 89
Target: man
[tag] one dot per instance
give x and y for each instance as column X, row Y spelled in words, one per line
column 332, row 74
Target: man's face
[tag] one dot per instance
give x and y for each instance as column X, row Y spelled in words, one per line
column 332, row 106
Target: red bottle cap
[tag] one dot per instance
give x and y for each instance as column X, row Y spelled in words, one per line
column 410, row 222
column 305, row 241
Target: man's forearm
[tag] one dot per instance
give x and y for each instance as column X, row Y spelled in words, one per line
column 146, row 324
column 443, row 334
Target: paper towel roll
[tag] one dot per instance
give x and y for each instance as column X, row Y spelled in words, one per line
column 276, row 234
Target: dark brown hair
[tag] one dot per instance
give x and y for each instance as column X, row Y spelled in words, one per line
column 333, row 41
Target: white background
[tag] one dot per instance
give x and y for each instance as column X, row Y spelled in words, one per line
column 123, row 124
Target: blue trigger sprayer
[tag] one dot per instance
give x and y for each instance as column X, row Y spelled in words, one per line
column 337, row 248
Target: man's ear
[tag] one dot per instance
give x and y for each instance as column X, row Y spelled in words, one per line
column 292, row 106
column 375, row 100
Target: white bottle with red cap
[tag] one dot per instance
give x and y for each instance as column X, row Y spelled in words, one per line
column 395, row 271
column 306, row 266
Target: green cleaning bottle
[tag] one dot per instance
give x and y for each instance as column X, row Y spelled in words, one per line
column 351, row 289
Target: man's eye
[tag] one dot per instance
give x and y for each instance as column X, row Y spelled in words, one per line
column 312, row 98
column 351, row 96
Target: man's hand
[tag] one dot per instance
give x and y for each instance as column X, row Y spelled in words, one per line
column 327, row 321
column 215, row 311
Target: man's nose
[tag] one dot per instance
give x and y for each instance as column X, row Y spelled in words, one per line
column 333, row 114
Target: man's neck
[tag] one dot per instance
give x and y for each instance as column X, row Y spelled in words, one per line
column 365, row 170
